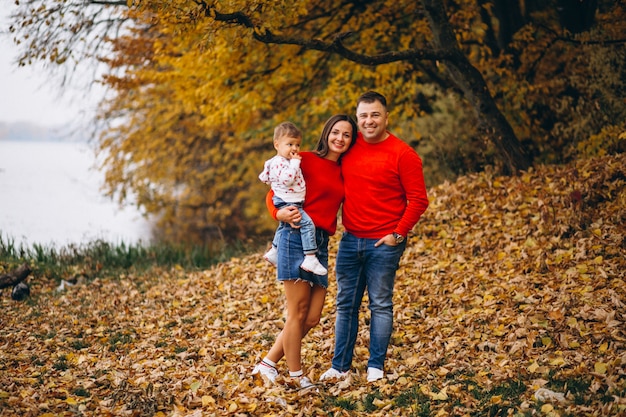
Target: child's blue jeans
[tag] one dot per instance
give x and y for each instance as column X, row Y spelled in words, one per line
column 307, row 228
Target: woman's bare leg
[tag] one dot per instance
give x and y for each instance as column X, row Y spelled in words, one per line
column 314, row 313
column 298, row 294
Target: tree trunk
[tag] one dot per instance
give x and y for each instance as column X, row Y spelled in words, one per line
column 492, row 122
column 15, row 277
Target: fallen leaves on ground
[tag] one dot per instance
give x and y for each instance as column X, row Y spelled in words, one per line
column 509, row 299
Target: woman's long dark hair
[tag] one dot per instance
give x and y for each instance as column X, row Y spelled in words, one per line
column 322, row 144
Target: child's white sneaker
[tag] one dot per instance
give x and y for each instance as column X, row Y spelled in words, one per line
column 271, row 256
column 312, row 264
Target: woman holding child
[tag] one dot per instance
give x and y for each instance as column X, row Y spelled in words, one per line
column 304, row 291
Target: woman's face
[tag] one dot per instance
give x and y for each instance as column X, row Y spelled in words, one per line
column 339, row 139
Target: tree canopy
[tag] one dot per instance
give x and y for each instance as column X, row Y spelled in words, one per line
column 197, row 87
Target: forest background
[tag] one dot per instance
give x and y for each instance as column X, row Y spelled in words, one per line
column 196, row 87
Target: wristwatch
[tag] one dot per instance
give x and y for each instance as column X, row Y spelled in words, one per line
column 398, row 237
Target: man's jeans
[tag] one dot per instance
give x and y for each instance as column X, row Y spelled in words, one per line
column 359, row 265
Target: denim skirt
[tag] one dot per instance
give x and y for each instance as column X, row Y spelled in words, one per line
column 291, row 255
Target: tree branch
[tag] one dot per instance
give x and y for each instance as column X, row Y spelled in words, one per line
column 336, row 45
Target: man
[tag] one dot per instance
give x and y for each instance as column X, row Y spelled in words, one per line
column 385, row 195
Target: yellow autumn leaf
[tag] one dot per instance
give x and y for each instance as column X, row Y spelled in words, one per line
column 533, row 367
column 195, row 386
column 441, row 395
column 442, row 413
column 412, row 360
column 402, row 381
column 600, row 367
column 379, row 403
column 558, row 361
column 441, row 371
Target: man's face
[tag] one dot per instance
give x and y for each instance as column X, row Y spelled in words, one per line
column 287, row 146
column 372, row 121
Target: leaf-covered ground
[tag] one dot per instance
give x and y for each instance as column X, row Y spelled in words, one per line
column 510, row 300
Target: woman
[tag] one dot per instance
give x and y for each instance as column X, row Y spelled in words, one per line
column 304, row 291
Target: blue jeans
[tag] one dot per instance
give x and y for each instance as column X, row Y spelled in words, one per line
column 307, row 228
column 360, row 265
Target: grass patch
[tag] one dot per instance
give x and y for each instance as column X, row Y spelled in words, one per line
column 81, row 392
column 500, row 400
column 340, row 402
column 79, row 344
column 103, row 259
column 119, row 339
column 414, row 399
column 368, row 401
column 61, row 363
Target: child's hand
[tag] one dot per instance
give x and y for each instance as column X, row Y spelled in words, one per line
column 295, row 155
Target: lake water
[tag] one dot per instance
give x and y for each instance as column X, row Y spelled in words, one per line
column 50, row 194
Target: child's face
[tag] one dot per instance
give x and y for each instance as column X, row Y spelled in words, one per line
column 287, row 146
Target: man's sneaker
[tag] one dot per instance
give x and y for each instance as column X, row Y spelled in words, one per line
column 332, row 373
column 374, row 374
column 312, row 264
column 266, row 371
column 271, row 256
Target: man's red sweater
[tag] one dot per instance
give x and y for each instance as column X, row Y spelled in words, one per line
column 384, row 188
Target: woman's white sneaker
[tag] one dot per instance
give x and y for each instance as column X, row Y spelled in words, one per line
column 266, row 371
column 306, row 384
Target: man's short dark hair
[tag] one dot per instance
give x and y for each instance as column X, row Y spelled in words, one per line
column 370, row 97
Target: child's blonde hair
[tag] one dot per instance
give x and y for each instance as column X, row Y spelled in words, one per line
column 287, row 129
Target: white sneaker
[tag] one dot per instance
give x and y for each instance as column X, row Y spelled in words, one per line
column 266, row 371
column 312, row 264
column 332, row 373
column 374, row 374
column 271, row 256
column 306, row 384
